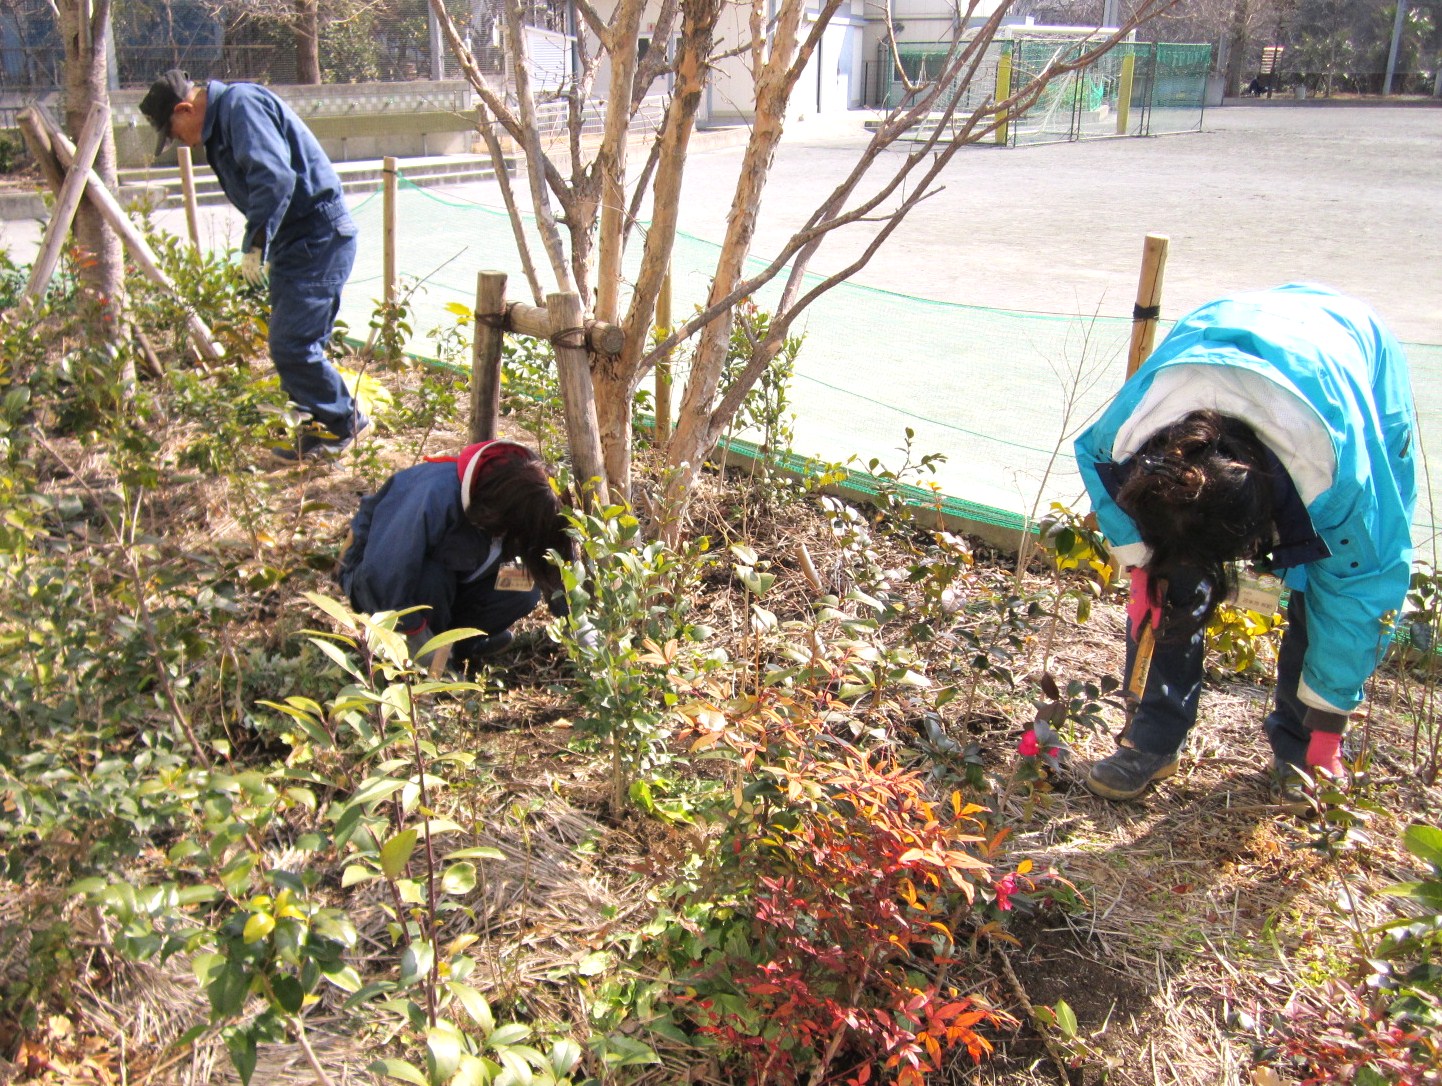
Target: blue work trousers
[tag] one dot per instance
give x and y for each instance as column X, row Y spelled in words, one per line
column 1167, row 711
column 453, row 602
column 309, row 265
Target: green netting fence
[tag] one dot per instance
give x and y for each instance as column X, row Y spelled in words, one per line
column 999, row 392
column 1134, row 89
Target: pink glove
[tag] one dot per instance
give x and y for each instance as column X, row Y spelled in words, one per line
column 1140, row 605
column 1325, row 752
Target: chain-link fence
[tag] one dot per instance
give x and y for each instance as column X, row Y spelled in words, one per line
column 1134, row 89
column 354, row 41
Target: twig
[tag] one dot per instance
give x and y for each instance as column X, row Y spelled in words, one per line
column 1058, row 1058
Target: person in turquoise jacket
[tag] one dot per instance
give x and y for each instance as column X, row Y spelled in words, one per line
column 1274, row 428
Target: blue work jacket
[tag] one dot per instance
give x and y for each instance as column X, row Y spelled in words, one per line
column 413, row 522
column 1344, row 377
column 270, row 167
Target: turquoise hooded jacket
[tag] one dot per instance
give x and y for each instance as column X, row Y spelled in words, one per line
column 1325, row 386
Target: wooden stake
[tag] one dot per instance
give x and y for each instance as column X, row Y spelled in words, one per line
column 114, row 214
column 530, row 320
column 388, row 234
column 486, row 354
column 663, row 366
column 187, row 194
column 66, row 203
column 573, row 367
column 1149, row 301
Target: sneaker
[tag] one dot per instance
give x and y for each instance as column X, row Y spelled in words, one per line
column 316, row 442
column 1128, row 773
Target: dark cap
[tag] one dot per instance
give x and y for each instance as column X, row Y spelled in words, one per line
column 160, row 101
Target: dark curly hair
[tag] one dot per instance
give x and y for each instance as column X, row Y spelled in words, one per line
column 1200, row 494
column 515, row 500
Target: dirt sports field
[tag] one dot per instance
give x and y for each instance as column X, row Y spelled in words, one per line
column 1266, row 192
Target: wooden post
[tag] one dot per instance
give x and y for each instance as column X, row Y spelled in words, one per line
column 388, row 231
column 663, row 366
column 1149, row 301
column 1003, row 92
column 573, row 367
column 187, row 194
column 114, row 214
column 530, row 320
column 71, row 193
column 486, row 354
column 1124, row 92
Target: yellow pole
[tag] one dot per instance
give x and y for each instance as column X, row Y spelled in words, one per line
column 1124, row 92
column 1003, row 92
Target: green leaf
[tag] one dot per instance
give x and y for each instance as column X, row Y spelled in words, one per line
column 1065, row 1019
column 565, row 1054
column 288, row 993
column 88, row 886
column 1424, row 842
column 449, row 637
column 481, row 852
column 396, row 852
column 258, row 927
column 375, row 788
column 459, row 878
column 443, row 1052
column 228, row 990
column 240, row 1041
column 346, row 979
column 625, row 1052
column 474, row 1072
column 334, row 608
column 519, row 1069
column 416, row 962
column 509, row 1034
column 593, row 964
column 398, row 1069
column 475, row 1005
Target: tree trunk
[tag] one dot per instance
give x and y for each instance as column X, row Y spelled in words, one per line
column 87, row 83
column 1237, row 36
column 307, row 42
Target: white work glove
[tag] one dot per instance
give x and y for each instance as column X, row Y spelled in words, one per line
column 252, row 270
column 586, row 635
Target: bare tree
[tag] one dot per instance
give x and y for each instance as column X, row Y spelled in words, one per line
column 595, row 220
column 83, row 29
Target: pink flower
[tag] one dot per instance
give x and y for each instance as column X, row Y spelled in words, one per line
column 1029, row 747
column 1005, row 887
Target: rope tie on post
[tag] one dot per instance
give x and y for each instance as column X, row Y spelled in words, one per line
column 1146, row 312
column 500, row 322
column 574, row 338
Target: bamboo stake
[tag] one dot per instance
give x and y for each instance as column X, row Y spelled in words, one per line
column 114, row 214
column 578, row 396
column 187, row 194
column 663, row 365
column 1149, row 301
column 66, row 204
column 388, row 235
column 486, row 354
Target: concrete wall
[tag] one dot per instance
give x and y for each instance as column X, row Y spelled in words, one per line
column 352, row 121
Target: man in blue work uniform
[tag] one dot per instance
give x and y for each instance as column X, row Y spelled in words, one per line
column 298, row 233
column 1274, row 427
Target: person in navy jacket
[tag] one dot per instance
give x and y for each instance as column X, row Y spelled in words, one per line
column 442, row 534
column 299, row 235
column 1274, row 427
